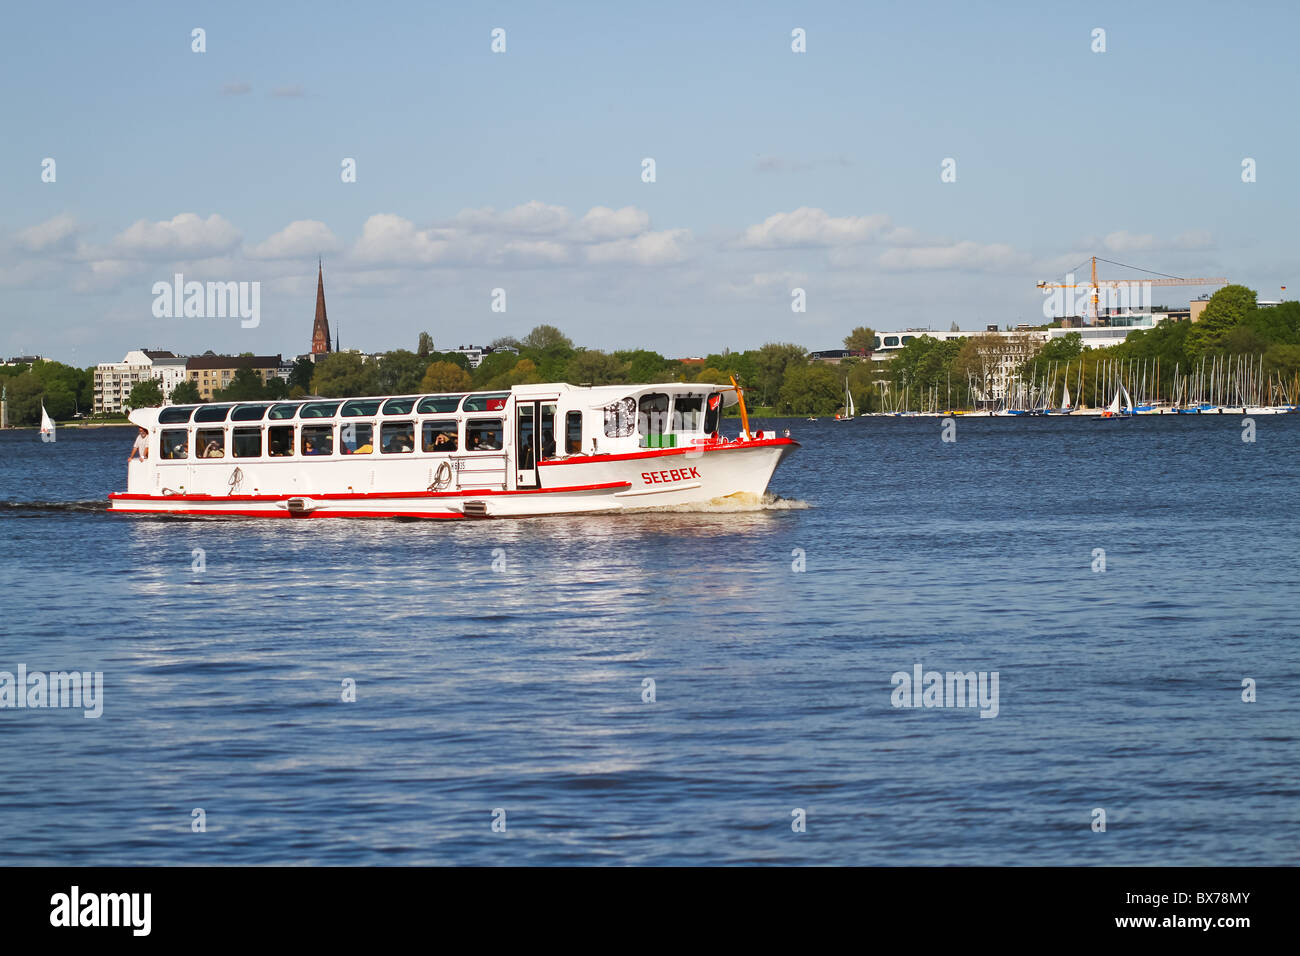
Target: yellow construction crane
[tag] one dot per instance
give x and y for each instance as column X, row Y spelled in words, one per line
column 1110, row 283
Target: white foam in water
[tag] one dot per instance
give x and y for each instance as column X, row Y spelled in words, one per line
column 739, row 503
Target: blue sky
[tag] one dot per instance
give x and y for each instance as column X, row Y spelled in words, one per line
column 522, row 170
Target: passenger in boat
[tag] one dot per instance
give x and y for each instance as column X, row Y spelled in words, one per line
column 444, row 441
column 213, row 450
column 141, row 447
column 548, row 444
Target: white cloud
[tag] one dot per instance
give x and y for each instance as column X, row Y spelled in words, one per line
column 808, row 226
column 185, row 235
column 57, row 234
column 299, row 239
column 392, row 240
column 532, row 217
column 601, row 223
column 649, row 249
column 966, row 256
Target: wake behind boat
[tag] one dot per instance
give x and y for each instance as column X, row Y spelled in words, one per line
column 532, row 450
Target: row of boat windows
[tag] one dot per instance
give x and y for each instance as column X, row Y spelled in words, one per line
column 353, row 408
column 348, row 438
column 657, row 413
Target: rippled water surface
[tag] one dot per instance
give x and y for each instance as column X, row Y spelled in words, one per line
column 522, row 689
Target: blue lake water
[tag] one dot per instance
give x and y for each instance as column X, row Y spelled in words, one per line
column 522, row 689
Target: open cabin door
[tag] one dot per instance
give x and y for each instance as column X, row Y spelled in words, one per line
column 534, row 439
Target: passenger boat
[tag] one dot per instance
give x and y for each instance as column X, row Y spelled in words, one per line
column 532, row 450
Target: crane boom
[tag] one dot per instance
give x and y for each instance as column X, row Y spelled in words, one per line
column 1096, row 284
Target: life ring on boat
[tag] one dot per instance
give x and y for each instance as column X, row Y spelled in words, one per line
column 441, row 477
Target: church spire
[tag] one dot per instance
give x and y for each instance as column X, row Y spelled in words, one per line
column 320, row 332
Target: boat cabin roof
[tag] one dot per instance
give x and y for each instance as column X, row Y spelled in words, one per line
column 314, row 408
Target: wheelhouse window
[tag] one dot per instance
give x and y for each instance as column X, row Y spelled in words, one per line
column 573, row 433
column 317, row 439
column 438, row 404
column 652, row 414
column 688, row 410
column 483, row 434
column 547, row 424
column 279, row 441
column 620, row 418
column 439, row 436
column 397, row 438
column 246, row 442
column 210, row 442
column 713, row 413
column 356, row 438
column 174, row 443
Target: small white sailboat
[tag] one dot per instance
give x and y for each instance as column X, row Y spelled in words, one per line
column 47, row 425
column 1115, row 410
column 849, row 410
column 1066, row 407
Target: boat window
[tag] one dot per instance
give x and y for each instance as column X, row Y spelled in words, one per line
column 548, row 432
column 360, row 407
column 174, row 443
column 573, row 433
column 908, row 338
column 356, row 438
column 281, row 412
column 210, row 442
column 486, row 403
column 483, row 434
column 439, row 435
column 620, row 418
column 246, row 442
column 438, row 404
column 687, row 412
column 319, row 410
column 279, row 441
column 248, row 413
column 212, row 413
column 317, row 439
column 174, row 415
column 524, row 443
column 399, row 406
column 652, row 414
column 891, row 339
column 714, row 413
column 397, row 438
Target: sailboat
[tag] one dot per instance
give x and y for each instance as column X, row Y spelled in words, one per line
column 849, row 410
column 1113, row 410
column 1066, row 407
column 47, row 425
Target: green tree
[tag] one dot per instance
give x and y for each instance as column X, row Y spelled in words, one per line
column 1229, row 307
column 185, row 393
column 399, row 372
column 303, row 370
column 593, row 367
column 642, row 366
column 860, row 338
column 493, row 365
column 343, row 375
column 145, row 394
column 524, row 372
column 770, row 365
column 547, row 338
column 444, row 377
column 811, row 389
column 425, row 346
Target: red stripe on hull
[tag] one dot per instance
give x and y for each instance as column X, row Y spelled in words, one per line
column 666, row 452
column 375, row 495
